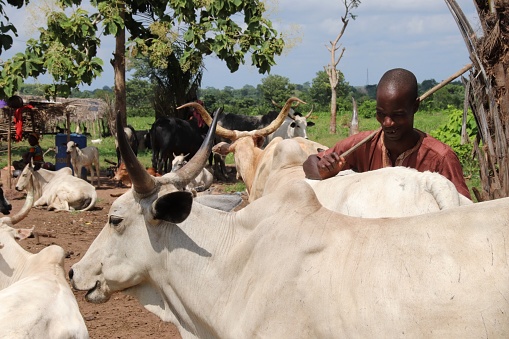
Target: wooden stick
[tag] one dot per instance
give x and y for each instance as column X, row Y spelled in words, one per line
column 363, row 141
column 445, row 82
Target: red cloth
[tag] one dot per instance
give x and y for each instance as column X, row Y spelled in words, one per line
column 429, row 154
column 18, row 120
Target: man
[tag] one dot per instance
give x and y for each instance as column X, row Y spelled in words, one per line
column 34, row 153
column 398, row 143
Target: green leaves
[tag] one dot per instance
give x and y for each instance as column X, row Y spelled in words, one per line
column 67, row 48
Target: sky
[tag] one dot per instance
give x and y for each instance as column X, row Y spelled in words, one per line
column 419, row 35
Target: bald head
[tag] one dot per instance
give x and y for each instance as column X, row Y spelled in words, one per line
column 399, row 80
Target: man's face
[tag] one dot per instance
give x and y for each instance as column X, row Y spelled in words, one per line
column 395, row 112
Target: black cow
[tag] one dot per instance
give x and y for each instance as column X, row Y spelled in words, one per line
column 169, row 136
column 143, row 137
column 5, row 206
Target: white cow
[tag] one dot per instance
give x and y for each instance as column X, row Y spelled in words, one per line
column 58, row 190
column 202, row 181
column 292, row 127
column 286, row 267
column 36, row 300
column 387, row 192
column 87, row 157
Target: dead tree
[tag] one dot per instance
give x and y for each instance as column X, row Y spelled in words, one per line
column 488, row 92
column 331, row 68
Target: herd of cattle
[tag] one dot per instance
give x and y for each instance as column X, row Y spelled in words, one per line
column 387, row 253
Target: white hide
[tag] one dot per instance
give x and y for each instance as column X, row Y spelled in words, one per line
column 36, row 300
column 285, row 267
column 201, row 182
column 87, row 157
column 58, row 190
column 386, row 192
column 291, row 128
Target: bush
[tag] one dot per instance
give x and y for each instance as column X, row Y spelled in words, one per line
column 450, row 133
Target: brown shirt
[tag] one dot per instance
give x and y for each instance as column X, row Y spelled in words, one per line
column 429, row 154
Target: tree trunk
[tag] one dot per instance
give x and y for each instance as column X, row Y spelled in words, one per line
column 118, row 63
column 489, row 98
column 333, row 112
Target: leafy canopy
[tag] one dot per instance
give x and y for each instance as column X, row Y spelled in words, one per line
column 67, row 48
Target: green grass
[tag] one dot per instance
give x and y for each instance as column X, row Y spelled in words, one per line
column 424, row 121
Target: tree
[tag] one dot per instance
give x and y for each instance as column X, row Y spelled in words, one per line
column 331, row 69
column 6, row 27
column 320, row 89
column 487, row 92
column 204, row 28
column 276, row 88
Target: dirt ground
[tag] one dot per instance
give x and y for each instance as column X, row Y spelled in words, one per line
column 122, row 316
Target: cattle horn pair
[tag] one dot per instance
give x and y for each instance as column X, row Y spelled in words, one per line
column 234, row 134
column 142, row 182
column 293, row 117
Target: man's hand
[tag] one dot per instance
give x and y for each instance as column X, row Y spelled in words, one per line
column 330, row 165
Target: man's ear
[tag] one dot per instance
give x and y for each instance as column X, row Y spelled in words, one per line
column 417, row 104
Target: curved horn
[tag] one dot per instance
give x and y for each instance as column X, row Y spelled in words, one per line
column 142, row 182
column 279, row 106
column 276, row 104
column 220, row 131
column 27, row 206
column 194, row 166
column 274, row 125
column 311, row 111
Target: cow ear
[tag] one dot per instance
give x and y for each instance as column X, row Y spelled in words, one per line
column 259, row 140
column 310, row 123
column 174, row 207
column 23, row 233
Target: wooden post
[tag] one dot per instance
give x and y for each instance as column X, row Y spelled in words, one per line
column 9, row 149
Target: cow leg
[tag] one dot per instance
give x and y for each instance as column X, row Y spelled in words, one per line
column 40, row 202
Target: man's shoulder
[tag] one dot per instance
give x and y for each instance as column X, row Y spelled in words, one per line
column 436, row 146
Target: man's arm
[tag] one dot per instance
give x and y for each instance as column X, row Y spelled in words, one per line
column 326, row 166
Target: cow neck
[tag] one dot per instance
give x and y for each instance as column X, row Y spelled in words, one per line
column 36, row 181
column 14, row 258
column 246, row 158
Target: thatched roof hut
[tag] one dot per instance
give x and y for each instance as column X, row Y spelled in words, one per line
column 47, row 115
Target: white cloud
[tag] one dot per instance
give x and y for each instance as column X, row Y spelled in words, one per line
column 420, row 35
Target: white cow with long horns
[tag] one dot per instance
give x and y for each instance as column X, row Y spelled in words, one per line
column 285, row 266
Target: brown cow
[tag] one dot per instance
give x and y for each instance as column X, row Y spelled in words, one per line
column 122, row 176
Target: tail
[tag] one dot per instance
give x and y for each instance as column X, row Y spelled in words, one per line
column 92, row 202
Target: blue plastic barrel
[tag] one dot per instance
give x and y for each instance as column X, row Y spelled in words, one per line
column 61, row 146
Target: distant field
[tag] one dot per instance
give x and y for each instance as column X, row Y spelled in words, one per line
column 319, row 133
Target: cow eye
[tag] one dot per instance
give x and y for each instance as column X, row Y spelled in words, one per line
column 115, row 221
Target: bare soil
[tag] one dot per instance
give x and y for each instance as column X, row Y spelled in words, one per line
column 122, row 316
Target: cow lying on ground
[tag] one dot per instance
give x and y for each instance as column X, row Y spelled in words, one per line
column 35, row 297
column 201, row 182
column 58, row 190
column 87, row 157
column 286, row 267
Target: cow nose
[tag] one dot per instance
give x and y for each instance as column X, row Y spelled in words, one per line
column 71, row 274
